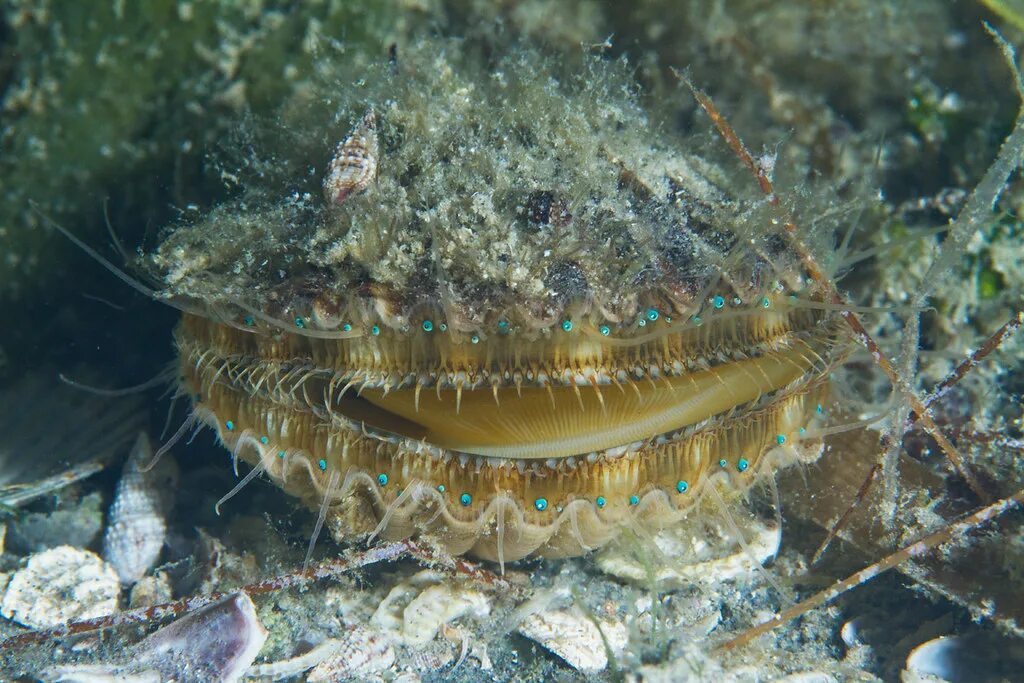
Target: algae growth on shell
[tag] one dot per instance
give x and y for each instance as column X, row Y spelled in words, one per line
column 511, row 313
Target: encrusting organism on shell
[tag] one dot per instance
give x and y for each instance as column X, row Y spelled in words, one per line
column 521, row 320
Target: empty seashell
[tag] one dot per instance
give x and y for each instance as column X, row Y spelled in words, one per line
column 433, row 604
column 575, row 638
column 59, row 585
column 688, row 556
column 984, row 657
column 215, row 643
column 354, row 165
column 360, row 652
column 136, row 525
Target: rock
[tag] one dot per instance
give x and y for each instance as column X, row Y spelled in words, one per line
column 59, row 585
column 73, row 523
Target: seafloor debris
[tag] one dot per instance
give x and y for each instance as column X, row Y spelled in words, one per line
column 136, row 526
column 983, row 657
column 687, row 555
column 59, row 585
column 358, row 653
column 581, row 641
column 417, row 608
column 40, row 454
column 215, row 643
column 74, row 521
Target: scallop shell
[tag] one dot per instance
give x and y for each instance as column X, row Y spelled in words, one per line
column 549, row 325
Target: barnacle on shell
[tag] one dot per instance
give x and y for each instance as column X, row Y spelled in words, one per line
column 545, row 324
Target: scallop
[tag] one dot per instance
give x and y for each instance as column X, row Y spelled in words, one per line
column 509, row 376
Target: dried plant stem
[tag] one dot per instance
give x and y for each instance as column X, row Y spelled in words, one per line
column 946, row 534
column 20, row 494
column 990, row 345
column 845, row 518
column 829, row 288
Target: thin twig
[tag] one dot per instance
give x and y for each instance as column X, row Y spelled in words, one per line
column 17, row 495
column 829, row 288
column 839, row 525
column 944, row 535
column 325, row 570
column 329, row 569
column 990, row 345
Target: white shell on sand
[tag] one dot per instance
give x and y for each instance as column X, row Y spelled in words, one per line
column 59, row 585
column 358, row 653
column 575, row 638
column 417, row 608
column 683, row 556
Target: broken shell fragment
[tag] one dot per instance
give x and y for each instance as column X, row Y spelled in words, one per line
column 417, row 608
column 361, row 652
column 215, row 643
column 575, row 638
column 354, row 165
column 60, row 585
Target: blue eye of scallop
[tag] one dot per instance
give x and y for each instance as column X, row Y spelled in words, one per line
column 322, row 463
column 382, row 479
column 230, row 425
column 264, row 440
column 347, row 327
column 475, row 339
column 567, row 325
column 375, row 330
column 718, row 301
column 466, row 500
column 502, row 325
column 742, row 465
column 766, row 302
column 440, row 487
column 600, row 501
column 249, row 321
column 541, row 504
column 428, row 326
column 634, row 500
column 818, row 409
column 780, row 439
column 682, row 487
column 723, row 463
column 280, row 454
column 300, row 323
column 604, row 330
column 642, row 322
column 652, row 314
